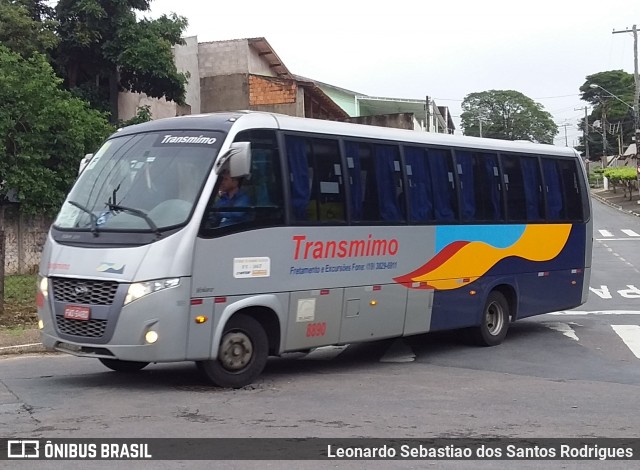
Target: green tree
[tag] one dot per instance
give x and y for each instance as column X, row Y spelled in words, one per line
column 143, row 114
column 508, row 115
column 26, row 27
column 44, row 132
column 624, row 176
column 610, row 114
column 105, row 49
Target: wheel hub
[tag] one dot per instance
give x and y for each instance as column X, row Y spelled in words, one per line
column 236, row 351
column 494, row 318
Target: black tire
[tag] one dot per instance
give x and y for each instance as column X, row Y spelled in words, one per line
column 494, row 322
column 123, row 366
column 242, row 354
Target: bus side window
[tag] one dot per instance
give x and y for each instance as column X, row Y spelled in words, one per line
column 419, row 184
column 299, row 181
column 316, row 180
column 514, row 188
column 375, row 178
column 481, row 191
column 443, row 184
column 358, row 168
column 571, row 189
column 328, row 182
column 532, row 182
column 388, row 182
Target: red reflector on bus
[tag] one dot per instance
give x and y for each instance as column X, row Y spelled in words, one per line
column 196, row 301
column 324, row 292
column 377, row 287
column 39, row 299
column 220, row 300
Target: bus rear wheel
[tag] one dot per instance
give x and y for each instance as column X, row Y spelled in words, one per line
column 242, row 354
column 123, row 366
column 494, row 323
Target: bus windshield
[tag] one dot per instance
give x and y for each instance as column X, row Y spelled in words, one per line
column 141, row 182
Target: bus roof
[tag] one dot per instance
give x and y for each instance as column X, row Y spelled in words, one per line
column 259, row 119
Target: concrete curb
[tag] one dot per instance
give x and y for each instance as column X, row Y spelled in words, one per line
column 615, row 206
column 22, row 349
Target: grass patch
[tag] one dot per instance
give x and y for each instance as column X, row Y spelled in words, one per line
column 20, row 289
column 19, row 301
column 13, row 330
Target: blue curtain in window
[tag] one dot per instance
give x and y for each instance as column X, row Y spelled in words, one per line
column 420, row 199
column 353, row 166
column 465, row 175
column 554, row 189
column 442, row 188
column 384, row 157
column 299, row 169
column 493, row 179
column 531, row 179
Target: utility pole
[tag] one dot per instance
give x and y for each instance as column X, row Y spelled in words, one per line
column 636, row 105
column 427, row 109
column 480, row 125
column 604, row 135
column 566, row 142
column 585, row 132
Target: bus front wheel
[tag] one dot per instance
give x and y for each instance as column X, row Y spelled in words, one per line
column 242, row 354
column 123, row 366
column 494, row 323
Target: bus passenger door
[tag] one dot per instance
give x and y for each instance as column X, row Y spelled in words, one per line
column 372, row 312
column 314, row 318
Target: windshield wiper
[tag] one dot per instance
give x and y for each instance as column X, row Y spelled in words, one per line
column 136, row 212
column 94, row 218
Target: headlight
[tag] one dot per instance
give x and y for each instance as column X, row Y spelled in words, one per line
column 43, row 285
column 140, row 289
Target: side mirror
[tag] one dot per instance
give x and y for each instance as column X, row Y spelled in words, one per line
column 237, row 159
column 84, row 162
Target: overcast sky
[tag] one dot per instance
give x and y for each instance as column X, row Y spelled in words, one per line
column 445, row 49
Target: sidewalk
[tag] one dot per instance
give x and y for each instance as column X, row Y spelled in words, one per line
column 619, row 200
column 20, row 341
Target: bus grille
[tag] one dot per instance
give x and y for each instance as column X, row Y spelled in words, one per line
column 84, row 291
column 87, row 329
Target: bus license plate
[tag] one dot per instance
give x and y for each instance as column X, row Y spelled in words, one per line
column 75, row 312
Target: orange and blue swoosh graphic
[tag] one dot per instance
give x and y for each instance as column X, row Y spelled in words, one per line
column 465, row 253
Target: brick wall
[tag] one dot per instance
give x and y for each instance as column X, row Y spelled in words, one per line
column 269, row 91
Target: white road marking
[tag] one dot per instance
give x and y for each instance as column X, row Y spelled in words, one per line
column 631, row 233
column 603, row 292
column 326, row 352
column 630, row 334
column 399, row 352
column 605, row 233
column 563, row 328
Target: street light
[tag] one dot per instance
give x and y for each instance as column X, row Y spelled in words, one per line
column 595, row 85
column 634, row 110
